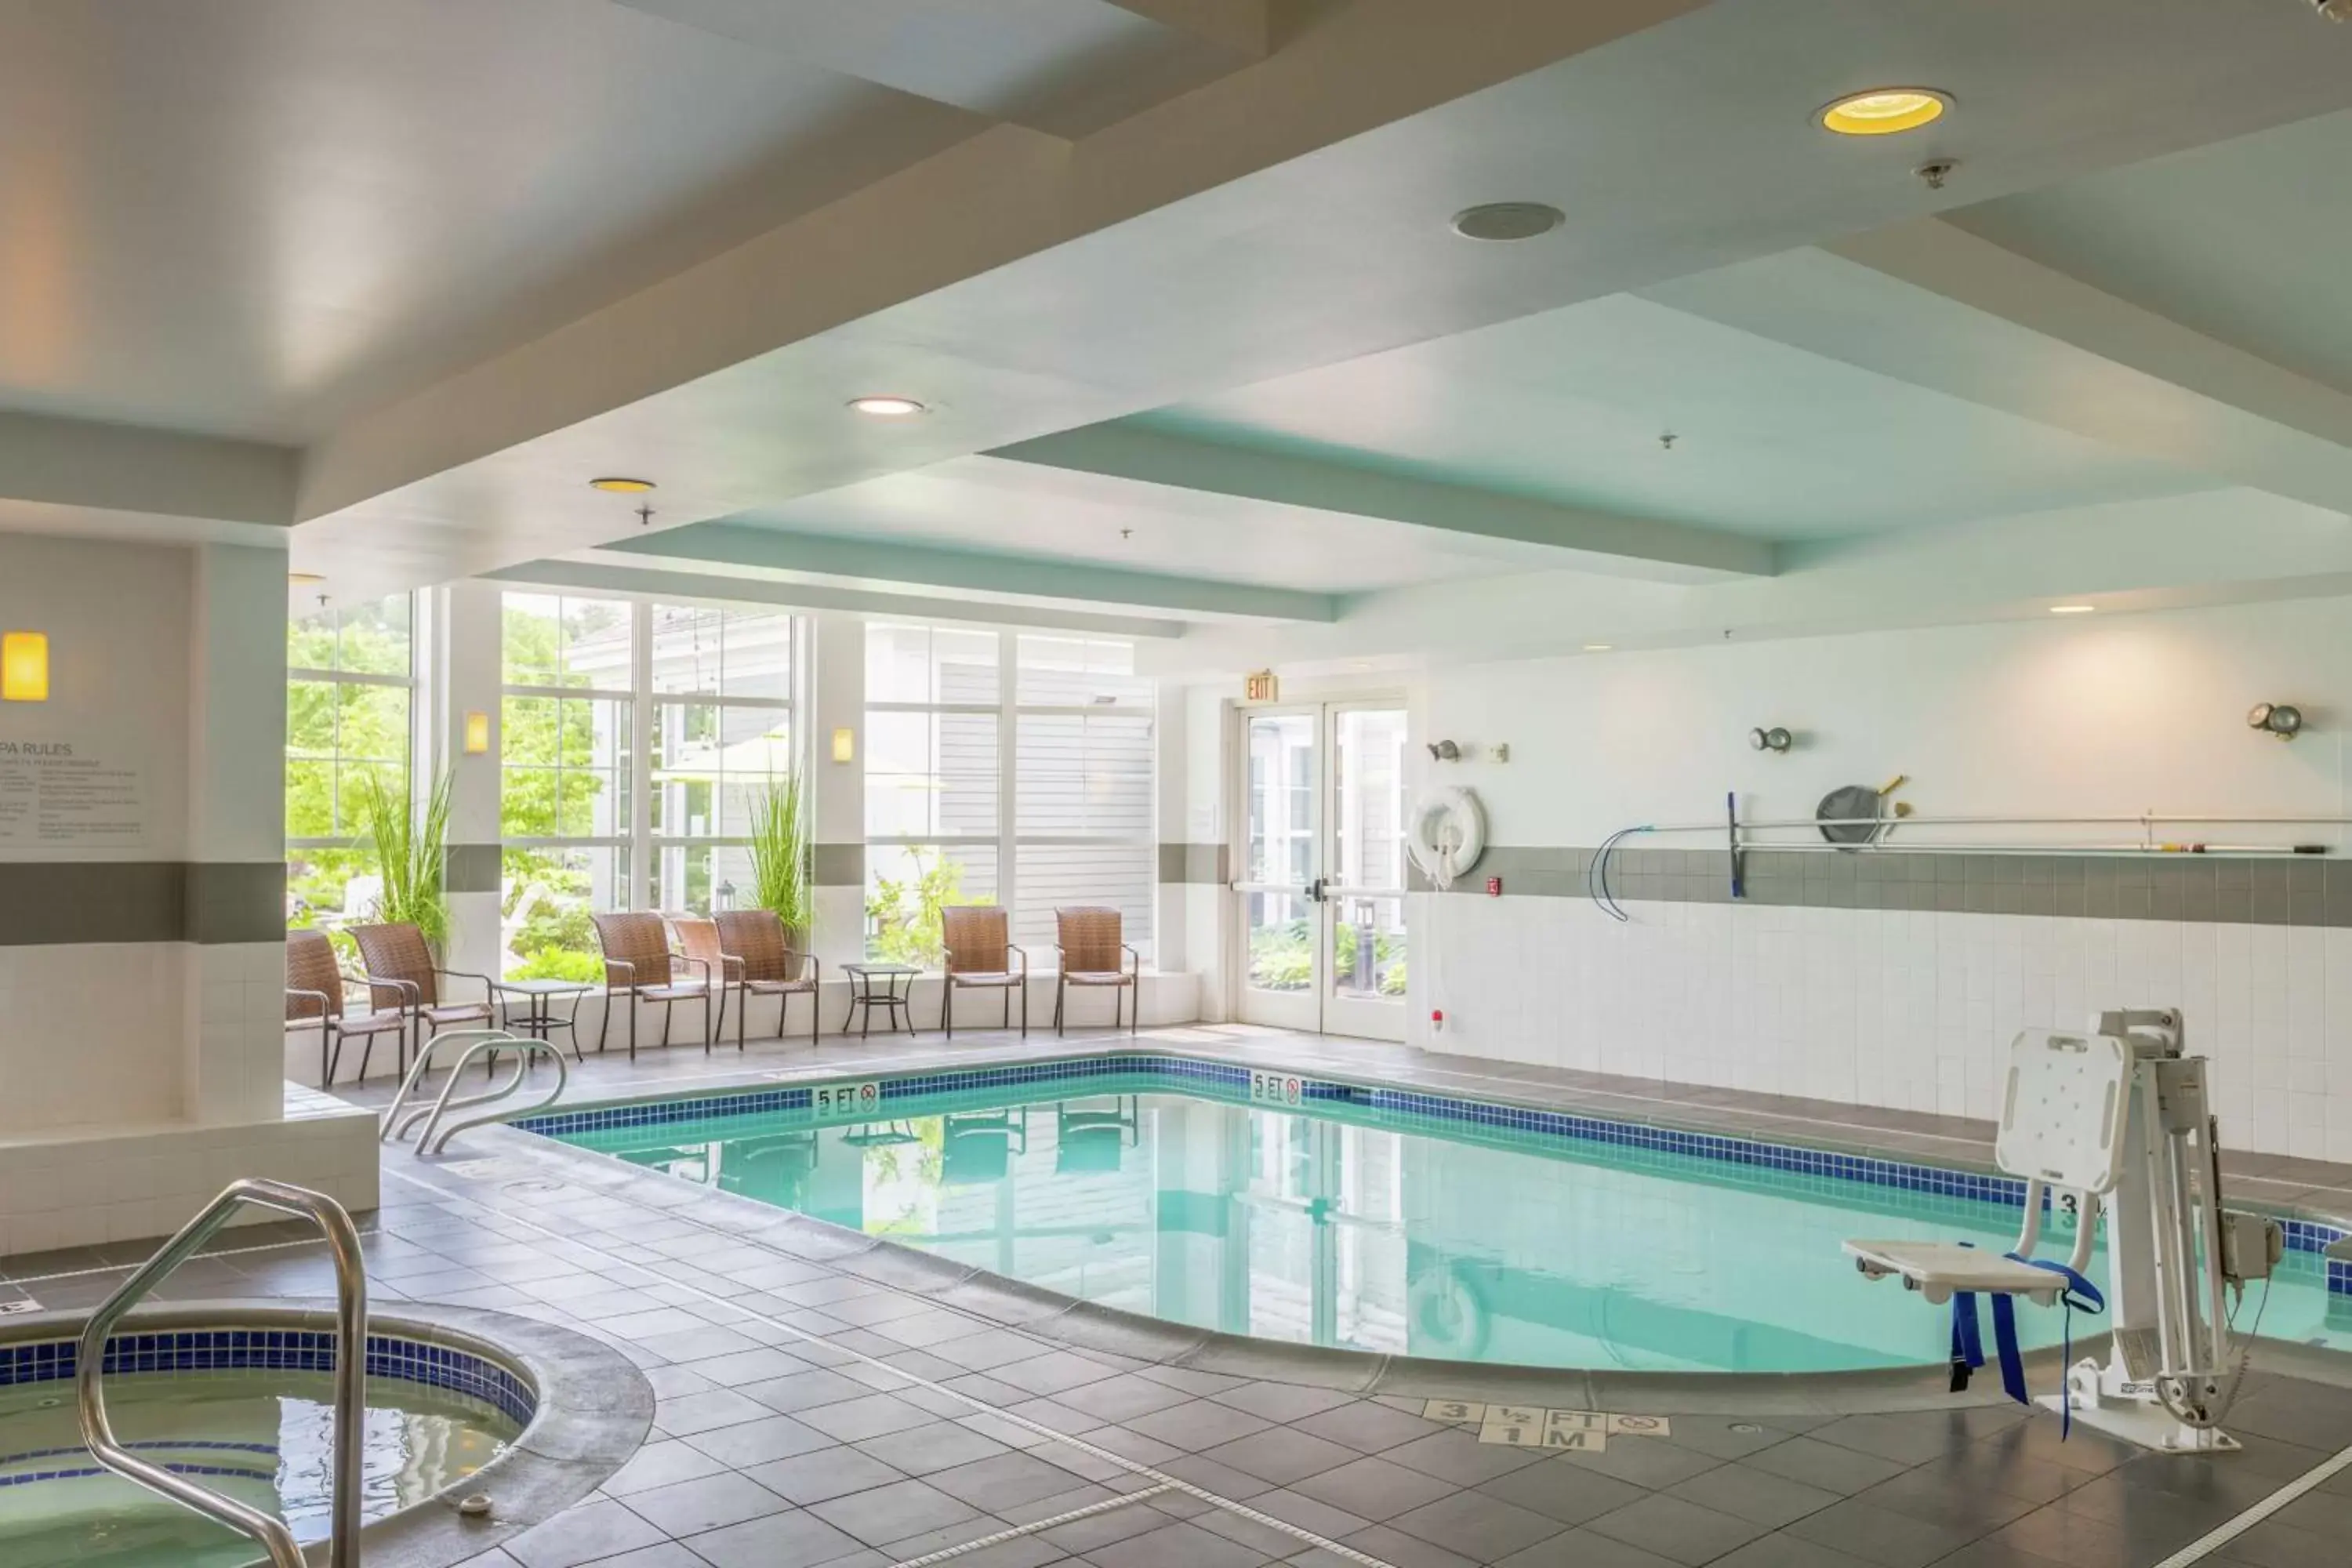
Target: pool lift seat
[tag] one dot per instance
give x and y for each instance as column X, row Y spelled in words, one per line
column 2120, row 1119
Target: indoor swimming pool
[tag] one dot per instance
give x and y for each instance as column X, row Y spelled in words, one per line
column 1373, row 1219
column 250, row 1416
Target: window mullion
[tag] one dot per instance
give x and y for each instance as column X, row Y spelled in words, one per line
column 641, row 769
column 1008, row 807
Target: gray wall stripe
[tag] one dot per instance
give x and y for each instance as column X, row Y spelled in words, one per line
column 49, row 902
column 839, row 865
column 1195, row 863
column 2289, row 890
column 473, row 868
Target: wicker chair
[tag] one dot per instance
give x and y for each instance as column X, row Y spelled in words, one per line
column 1093, row 955
column 979, row 958
column 639, row 965
column 764, row 964
column 315, row 1000
column 399, row 965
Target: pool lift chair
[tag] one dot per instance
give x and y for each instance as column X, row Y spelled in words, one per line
column 2118, row 1119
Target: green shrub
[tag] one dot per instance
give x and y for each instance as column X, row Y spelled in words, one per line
column 558, row 964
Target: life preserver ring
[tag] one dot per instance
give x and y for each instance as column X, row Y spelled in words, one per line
column 1447, row 834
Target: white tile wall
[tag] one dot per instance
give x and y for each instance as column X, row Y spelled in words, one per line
column 91, row 1034
column 1903, row 1009
column 149, row 1181
column 105, row 1034
column 234, row 1071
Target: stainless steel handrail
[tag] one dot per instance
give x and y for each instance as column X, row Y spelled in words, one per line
column 350, row 1373
column 524, row 1047
column 397, row 1127
column 394, row 1128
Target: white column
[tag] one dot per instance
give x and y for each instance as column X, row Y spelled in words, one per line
column 1169, row 831
column 1207, row 767
column 836, row 700
column 233, row 1065
column 466, row 651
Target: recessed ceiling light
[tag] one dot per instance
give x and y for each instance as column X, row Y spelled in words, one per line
column 1597, row 646
column 620, row 486
column 1884, row 110
column 1507, row 220
column 2071, row 609
column 304, row 579
column 886, row 407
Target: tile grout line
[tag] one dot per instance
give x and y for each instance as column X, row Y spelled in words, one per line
column 1106, row 1506
column 2227, row 1530
column 1164, row 1480
column 220, row 1252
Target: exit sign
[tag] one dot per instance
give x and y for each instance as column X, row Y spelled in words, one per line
column 1261, row 686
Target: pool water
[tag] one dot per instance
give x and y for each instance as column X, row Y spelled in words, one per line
column 1385, row 1232
column 261, row 1437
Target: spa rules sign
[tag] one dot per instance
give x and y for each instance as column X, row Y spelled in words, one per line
column 60, row 795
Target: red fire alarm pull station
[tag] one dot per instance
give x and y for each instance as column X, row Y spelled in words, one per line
column 1494, row 887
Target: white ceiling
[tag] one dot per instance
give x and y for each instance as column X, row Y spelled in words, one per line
column 259, row 218
column 2249, row 239
column 1050, row 514
column 425, row 267
column 1285, row 217
column 1570, row 406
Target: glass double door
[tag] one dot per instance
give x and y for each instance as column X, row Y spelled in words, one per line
column 1322, row 884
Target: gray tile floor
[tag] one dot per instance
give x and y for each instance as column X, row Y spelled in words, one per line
column 808, row 1415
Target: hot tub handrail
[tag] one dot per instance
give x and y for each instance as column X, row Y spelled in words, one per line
column 350, row 1373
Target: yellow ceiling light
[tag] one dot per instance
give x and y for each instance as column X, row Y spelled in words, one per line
column 619, row 486
column 1885, row 111
column 886, row 407
column 2071, row 609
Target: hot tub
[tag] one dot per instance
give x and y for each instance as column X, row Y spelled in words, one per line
column 242, row 1401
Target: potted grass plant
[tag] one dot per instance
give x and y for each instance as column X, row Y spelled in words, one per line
column 781, row 872
column 411, row 850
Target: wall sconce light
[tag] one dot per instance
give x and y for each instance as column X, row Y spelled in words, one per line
column 1445, row 750
column 845, row 745
column 478, row 734
column 1775, row 739
column 25, row 667
column 2282, row 719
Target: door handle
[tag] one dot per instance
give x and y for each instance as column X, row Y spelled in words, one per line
column 1314, row 888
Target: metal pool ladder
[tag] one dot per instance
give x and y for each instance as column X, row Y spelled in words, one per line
column 350, row 1373
column 478, row 1043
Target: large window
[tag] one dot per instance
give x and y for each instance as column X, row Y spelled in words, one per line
column 722, row 733
column 934, row 824
column 953, row 718
column 1082, row 760
column 567, row 777
column 350, row 684
column 592, row 821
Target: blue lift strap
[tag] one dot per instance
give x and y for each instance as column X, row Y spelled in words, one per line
column 1967, row 1345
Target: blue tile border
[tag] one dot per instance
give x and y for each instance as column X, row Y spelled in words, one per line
column 2302, row 1235
column 295, row 1350
column 84, row 1472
